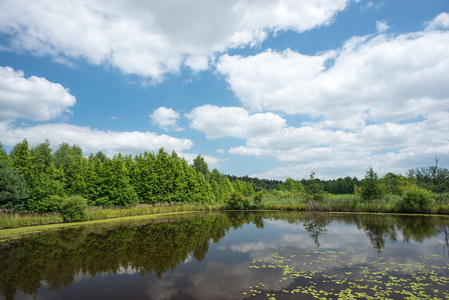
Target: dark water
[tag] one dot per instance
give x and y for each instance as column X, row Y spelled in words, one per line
column 270, row 255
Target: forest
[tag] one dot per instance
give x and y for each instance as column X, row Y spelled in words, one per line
column 37, row 180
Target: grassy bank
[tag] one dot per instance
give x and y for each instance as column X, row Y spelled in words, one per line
column 8, row 220
column 330, row 203
column 17, row 233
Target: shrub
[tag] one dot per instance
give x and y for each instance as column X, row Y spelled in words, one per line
column 237, row 201
column 415, row 199
column 74, row 209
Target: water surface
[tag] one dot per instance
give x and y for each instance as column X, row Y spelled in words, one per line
column 269, row 255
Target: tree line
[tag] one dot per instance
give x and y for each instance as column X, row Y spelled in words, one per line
column 36, row 179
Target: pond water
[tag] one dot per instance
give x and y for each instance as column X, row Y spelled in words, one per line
column 236, row 255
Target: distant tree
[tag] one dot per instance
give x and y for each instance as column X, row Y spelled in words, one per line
column 370, row 189
column 292, row 186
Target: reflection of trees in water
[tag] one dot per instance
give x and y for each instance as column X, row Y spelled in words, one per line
column 316, row 224
column 150, row 248
column 377, row 231
column 155, row 248
column 445, row 231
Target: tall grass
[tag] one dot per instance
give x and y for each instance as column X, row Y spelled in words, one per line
column 14, row 220
column 350, row 203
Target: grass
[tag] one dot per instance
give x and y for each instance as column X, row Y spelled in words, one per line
column 330, row 203
column 349, row 203
column 14, row 220
column 17, row 233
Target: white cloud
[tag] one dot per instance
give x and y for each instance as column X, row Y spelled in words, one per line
column 382, row 26
column 151, row 38
column 381, row 101
column 197, row 63
column 93, row 140
column 439, row 22
column 387, row 147
column 235, row 122
column 166, row 118
column 33, row 98
column 380, row 78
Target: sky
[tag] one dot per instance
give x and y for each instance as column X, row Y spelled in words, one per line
column 265, row 88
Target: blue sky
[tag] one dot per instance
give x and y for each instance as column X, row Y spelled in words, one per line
column 272, row 89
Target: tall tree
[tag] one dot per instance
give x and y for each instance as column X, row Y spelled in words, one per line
column 46, row 181
column 200, row 165
column 371, row 188
column 21, row 159
column 69, row 159
column 13, row 188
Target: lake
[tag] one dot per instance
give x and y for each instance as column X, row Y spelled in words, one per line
column 234, row 255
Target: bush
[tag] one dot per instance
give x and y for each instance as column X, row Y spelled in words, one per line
column 416, row 200
column 74, row 209
column 237, row 201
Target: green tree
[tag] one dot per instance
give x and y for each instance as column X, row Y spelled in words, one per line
column 13, row 188
column 371, row 188
column 69, row 159
column 258, row 198
column 200, row 165
column 21, row 159
column 116, row 183
column 46, row 181
column 143, row 177
column 3, row 153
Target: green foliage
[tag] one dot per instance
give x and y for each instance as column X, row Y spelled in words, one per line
column 314, row 189
column 21, row 159
column 292, row 186
column 258, row 198
column 73, row 209
column 200, row 165
column 371, row 188
column 237, row 201
column 13, row 188
column 415, row 200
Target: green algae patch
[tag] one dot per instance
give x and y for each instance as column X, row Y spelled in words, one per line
column 330, row 274
column 22, row 232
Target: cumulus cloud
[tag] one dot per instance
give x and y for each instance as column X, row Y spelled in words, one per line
column 151, row 38
column 378, row 78
column 166, row 118
column 93, row 140
column 33, row 98
column 234, row 122
column 388, row 147
column 380, row 100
